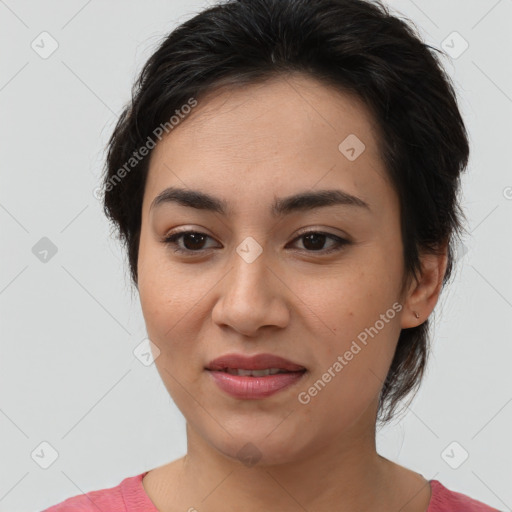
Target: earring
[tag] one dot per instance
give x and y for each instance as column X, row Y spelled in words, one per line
column 416, row 314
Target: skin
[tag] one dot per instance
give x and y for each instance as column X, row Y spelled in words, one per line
column 248, row 146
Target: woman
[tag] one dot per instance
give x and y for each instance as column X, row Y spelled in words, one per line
column 286, row 183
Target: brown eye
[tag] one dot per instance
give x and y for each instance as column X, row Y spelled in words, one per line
column 193, row 241
column 315, row 240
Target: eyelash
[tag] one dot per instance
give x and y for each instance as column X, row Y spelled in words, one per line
column 171, row 240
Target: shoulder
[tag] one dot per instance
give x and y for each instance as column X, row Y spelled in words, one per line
column 111, row 498
column 445, row 500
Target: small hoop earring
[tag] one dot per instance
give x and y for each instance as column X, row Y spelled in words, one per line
column 416, row 314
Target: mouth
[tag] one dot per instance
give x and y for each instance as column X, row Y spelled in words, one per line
column 269, row 364
column 255, row 373
column 254, row 377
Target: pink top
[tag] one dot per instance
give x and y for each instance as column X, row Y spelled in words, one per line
column 130, row 496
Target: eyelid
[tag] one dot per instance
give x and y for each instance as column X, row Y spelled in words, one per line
column 302, row 231
column 317, row 229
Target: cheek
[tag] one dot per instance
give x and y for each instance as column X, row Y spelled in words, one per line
column 360, row 317
column 348, row 378
column 346, row 304
column 166, row 311
column 165, row 295
column 170, row 303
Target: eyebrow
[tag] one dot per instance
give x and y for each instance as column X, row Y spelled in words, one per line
column 303, row 201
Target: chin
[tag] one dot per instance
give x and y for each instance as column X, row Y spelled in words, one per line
column 258, row 449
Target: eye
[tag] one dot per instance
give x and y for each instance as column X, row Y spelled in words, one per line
column 316, row 239
column 193, row 242
column 192, row 238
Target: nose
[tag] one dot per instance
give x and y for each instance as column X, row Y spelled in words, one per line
column 251, row 296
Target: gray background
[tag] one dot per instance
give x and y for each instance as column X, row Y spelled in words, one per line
column 70, row 324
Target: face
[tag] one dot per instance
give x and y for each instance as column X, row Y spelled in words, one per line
column 252, row 281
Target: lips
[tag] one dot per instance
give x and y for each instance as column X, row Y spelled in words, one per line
column 256, row 362
column 245, row 378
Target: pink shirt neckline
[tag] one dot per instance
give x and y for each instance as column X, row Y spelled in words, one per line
column 130, row 496
column 135, row 496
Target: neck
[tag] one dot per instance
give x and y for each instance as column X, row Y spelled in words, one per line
column 346, row 473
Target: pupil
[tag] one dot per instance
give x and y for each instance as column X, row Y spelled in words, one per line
column 318, row 237
column 195, row 236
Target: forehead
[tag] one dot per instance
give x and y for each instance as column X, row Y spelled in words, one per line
column 290, row 133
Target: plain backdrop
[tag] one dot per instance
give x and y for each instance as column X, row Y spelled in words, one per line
column 78, row 410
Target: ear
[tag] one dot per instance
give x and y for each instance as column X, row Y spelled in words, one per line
column 424, row 292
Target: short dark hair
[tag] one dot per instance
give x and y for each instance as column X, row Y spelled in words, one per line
column 358, row 47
